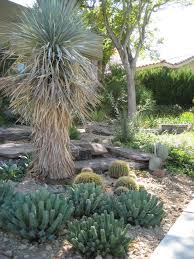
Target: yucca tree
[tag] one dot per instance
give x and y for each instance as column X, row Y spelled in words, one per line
column 59, row 79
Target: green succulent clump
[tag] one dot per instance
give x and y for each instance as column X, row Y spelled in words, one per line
column 88, row 177
column 6, row 192
column 128, row 182
column 120, row 190
column 87, row 169
column 119, row 168
column 99, row 235
column 87, row 198
column 139, row 208
column 37, row 216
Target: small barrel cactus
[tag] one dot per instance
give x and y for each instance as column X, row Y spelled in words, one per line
column 36, row 216
column 99, row 235
column 119, row 168
column 88, row 177
column 120, row 190
column 128, row 182
column 87, row 169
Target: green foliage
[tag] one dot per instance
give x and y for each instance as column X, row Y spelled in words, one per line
column 88, row 177
column 128, row 182
column 74, row 133
column 178, row 83
column 87, row 198
column 6, row 192
column 99, row 235
column 126, row 127
column 120, row 190
column 139, row 208
column 14, row 171
column 36, row 216
column 119, row 168
column 98, row 115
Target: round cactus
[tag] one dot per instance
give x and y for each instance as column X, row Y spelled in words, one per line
column 127, row 182
column 88, row 177
column 119, row 168
column 87, row 169
column 132, row 175
column 118, row 191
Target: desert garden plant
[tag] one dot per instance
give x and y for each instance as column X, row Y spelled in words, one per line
column 139, row 208
column 58, row 78
column 88, row 177
column 119, row 168
column 99, row 235
column 36, row 216
column 128, row 182
column 87, row 198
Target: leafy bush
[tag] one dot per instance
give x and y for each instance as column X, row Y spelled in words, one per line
column 88, row 177
column 86, row 198
column 99, row 235
column 139, row 208
column 119, row 168
column 178, row 83
column 128, row 182
column 36, row 216
column 74, row 133
column 15, row 171
column 98, row 115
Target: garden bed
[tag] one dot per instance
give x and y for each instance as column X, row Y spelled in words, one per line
column 174, row 191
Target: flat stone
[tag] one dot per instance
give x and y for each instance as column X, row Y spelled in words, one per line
column 177, row 128
column 178, row 243
column 129, row 153
column 15, row 133
column 99, row 130
column 13, row 151
column 96, row 149
column 100, row 165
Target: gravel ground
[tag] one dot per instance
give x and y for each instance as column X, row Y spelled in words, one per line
column 175, row 192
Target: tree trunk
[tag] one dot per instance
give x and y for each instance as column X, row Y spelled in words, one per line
column 130, row 76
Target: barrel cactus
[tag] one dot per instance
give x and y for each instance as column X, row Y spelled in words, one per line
column 99, row 235
column 86, row 198
column 87, row 169
column 88, row 177
column 37, row 216
column 128, row 182
column 119, row 168
column 139, row 208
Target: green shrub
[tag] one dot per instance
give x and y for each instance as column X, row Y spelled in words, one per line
column 88, row 177
column 86, row 198
column 178, row 83
column 119, row 168
column 98, row 115
column 74, row 133
column 120, row 190
column 36, row 216
column 139, row 208
column 10, row 170
column 99, row 235
column 128, row 182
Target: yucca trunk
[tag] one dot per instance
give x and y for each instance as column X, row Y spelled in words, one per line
column 53, row 158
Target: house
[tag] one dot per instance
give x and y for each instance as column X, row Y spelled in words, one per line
column 174, row 63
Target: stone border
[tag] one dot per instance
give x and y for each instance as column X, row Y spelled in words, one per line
column 179, row 241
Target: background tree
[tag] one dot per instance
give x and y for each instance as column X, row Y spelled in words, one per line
column 127, row 24
column 58, row 79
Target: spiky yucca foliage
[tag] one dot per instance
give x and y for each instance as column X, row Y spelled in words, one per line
column 59, row 78
column 88, row 177
column 99, row 235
